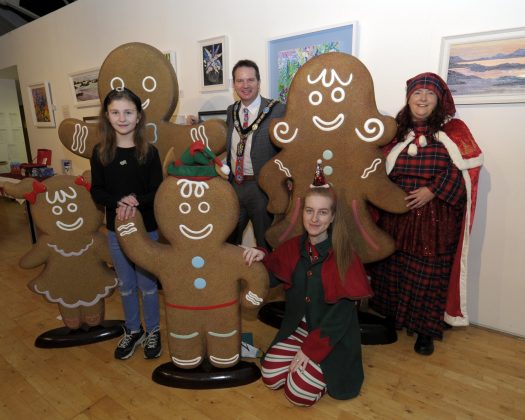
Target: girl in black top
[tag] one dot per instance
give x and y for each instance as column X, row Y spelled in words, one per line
column 126, row 172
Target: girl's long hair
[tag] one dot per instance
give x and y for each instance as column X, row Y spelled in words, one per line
column 342, row 246
column 108, row 139
column 434, row 122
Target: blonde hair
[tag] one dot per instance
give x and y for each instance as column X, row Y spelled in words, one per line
column 341, row 243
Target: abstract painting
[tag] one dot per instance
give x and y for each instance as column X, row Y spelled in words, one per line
column 214, row 64
column 42, row 108
column 288, row 54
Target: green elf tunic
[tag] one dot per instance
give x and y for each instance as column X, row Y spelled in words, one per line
column 314, row 290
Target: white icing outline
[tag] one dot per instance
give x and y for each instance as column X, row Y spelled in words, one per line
column 328, row 125
column 71, row 227
column 61, row 196
column 369, row 130
column 127, row 229
column 312, row 102
column 283, row 168
column 155, row 137
column 184, row 336
column 120, row 88
column 199, row 134
column 144, row 85
column 253, row 298
column 200, row 188
column 79, row 138
column 78, row 303
column 372, row 168
column 334, row 77
column 224, row 361
column 196, row 234
column 223, row 335
column 188, row 362
column 72, row 253
column 204, row 203
column 343, row 94
column 285, row 131
column 182, row 211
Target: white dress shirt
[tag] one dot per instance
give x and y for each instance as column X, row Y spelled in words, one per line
column 253, row 112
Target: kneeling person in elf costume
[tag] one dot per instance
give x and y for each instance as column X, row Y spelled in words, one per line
column 318, row 347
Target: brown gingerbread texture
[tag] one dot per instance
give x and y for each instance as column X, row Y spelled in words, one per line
column 72, row 251
column 145, row 70
column 204, row 279
column 331, row 115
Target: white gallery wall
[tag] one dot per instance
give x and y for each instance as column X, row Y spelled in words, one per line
column 395, row 40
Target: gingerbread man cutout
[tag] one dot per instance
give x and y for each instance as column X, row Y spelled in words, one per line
column 204, row 279
column 331, row 115
column 144, row 70
column 74, row 253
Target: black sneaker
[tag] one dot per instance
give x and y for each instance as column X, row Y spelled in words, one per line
column 127, row 344
column 151, row 343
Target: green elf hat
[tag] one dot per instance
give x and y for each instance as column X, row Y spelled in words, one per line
column 198, row 162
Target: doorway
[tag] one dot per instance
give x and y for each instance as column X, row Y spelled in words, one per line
column 14, row 140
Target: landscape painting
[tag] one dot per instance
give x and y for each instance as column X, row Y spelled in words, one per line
column 485, row 68
column 84, row 85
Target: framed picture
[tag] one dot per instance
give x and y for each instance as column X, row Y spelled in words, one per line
column 42, row 108
column 286, row 55
column 66, row 166
column 485, row 67
column 84, row 87
column 171, row 56
column 214, row 64
column 92, row 119
column 208, row 115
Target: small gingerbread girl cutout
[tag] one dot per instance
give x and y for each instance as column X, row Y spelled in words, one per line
column 70, row 247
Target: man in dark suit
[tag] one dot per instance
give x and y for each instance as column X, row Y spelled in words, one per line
column 249, row 148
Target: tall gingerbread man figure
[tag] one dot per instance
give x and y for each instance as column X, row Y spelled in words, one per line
column 204, row 279
column 146, row 71
column 331, row 115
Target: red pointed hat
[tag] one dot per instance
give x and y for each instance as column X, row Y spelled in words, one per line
column 436, row 84
column 319, row 178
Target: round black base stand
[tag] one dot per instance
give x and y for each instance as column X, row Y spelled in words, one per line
column 206, row 376
column 272, row 313
column 66, row 337
column 374, row 328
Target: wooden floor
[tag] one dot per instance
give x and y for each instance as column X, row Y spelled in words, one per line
column 473, row 374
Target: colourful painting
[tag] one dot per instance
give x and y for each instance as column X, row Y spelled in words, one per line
column 41, row 106
column 289, row 61
column 485, row 68
column 286, row 55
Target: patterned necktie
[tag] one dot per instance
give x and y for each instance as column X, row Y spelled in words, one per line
column 239, row 163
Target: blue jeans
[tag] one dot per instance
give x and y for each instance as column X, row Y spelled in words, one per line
column 131, row 278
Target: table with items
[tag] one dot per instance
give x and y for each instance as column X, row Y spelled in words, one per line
column 15, row 178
